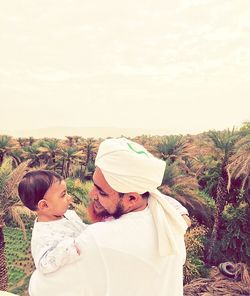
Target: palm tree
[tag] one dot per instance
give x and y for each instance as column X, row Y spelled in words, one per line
column 149, row 142
column 11, row 206
column 170, row 147
column 89, row 148
column 31, row 140
column 239, row 165
column 80, row 192
column 18, row 156
column 72, row 140
column 224, row 142
column 185, row 189
column 33, row 153
column 245, row 128
column 49, row 148
column 69, row 156
column 6, row 146
column 23, row 142
column 177, row 149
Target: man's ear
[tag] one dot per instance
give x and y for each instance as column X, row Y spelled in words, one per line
column 132, row 197
column 42, row 204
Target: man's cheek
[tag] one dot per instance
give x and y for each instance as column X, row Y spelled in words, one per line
column 92, row 215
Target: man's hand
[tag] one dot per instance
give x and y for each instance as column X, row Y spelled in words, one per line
column 77, row 249
column 187, row 219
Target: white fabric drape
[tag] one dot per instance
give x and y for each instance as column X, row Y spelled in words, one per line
column 129, row 167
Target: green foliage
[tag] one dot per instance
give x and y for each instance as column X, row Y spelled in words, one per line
column 224, row 140
column 208, row 179
column 245, row 128
column 186, row 162
column 27, row 220
column 171, row 171
column 80, row 194
column 90, row 167
column 84, row 173
column 207, row 199
column 50, row 144
column 170, row 145
column 79, row 190
column 236, row 239
column 195, row 266
column 5, row 172
column 19, row 260
column 4, row 141
column 15, row 274
column 233, row 243
column 22, row 289
column 10, row 205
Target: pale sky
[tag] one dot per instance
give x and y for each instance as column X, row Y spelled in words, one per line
column 179, row 65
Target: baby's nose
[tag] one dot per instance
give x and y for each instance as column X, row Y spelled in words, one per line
column 70, row 199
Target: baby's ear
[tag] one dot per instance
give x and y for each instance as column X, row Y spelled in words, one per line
column 42, row 204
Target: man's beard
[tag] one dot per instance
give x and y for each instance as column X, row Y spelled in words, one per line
column 104, row 215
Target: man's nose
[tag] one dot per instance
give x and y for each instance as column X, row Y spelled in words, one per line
column 93, row 194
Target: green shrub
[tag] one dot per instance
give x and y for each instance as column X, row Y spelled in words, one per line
column 19, row 260
column 171, row 171
column 207, row 199
column 15, row 274
column 79, row 190
column 195, row 266
column 236, row 240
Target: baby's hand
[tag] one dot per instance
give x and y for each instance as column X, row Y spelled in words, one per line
column 77, row 249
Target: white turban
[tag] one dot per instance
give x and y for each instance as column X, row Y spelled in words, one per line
column 129, row 167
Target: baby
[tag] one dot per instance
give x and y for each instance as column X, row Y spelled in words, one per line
column 56, row 227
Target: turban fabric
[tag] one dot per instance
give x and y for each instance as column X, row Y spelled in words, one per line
column 129, row 167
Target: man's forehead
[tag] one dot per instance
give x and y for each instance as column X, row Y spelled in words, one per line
column 100, row 181
column 97, row 173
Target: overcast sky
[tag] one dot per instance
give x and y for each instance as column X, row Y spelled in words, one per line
column 183, row 66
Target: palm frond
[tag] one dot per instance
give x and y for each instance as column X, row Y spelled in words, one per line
column 22, row 210
column 194, row 204
column 224, row 140
column 10, row 188
column 17, row 218
column 239, row 164
column 5, row 171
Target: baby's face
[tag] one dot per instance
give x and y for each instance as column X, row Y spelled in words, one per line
column 57, row 199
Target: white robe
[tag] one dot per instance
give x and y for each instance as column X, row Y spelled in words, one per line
column 118, row 258
column 52, row 242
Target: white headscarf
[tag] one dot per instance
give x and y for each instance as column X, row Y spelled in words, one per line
column 129, row 167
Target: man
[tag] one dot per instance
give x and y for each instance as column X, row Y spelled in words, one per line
column 141, row 252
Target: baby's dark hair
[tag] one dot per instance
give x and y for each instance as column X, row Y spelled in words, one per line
column 34, row 185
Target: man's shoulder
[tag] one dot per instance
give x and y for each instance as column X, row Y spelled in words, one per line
column 103, row 231
column 100, row 235
column 104, row 226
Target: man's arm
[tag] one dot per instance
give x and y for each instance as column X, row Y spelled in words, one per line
column 187, row 219
column 180, row 209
